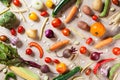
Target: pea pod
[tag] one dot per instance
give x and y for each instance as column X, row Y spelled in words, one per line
column 106, row 8
column 10, row 75
column 113, row 70
column 60, row 5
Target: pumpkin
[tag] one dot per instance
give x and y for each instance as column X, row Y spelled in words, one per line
column 97, row 29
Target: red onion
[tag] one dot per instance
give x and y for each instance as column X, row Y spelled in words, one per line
column 95, row 56
column 49, row 33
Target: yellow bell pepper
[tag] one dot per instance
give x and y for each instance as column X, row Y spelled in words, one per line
column 33, row 16
column 49, row 3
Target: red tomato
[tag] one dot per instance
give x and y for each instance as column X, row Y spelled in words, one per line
column 13, row 32
column 88, row 71
column 94, row 17
column 56, row 23
column 66, row 32
column 29, row 51
column 116, row 51
column 44, row 13
column 116, row 2
column 17, row 3
column 56, row 61
column 21, row 29
column 89, row 41
column 83, row 50
column 48, row 60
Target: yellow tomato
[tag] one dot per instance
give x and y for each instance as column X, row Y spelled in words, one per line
column 97, row 29
column 61, row 68
column 33, row 16
column 49, row 4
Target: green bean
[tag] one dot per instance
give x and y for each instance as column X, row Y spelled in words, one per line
column 113, row 70
column 105, row 10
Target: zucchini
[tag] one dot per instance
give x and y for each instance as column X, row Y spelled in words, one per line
column 59, row 7
column 69, row 74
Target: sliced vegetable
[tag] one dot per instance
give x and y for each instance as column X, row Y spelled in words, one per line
column 10, row 75
column 106, row 9
column 34, row 44
column 33, row 16
column 97, row 5
column 59, row 6
column 107, row 41
column 61, row 68
column 6, row 2
column 8, row 20
column 69, row 74
column 24, row 73
column 113, row 70
column 58, row 45
column 73, row 11
column 100, row 63
column 97, row 29
column 37, row 4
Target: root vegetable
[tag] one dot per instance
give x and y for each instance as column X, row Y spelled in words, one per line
column 97, row 5
column 83, row 25
column 31, row 33
column 87, row 10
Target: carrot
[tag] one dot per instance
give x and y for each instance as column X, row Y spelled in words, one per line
column 104, row 43
column 107, row 41
column 73, row 11
column 58, row 45
column 38, row 47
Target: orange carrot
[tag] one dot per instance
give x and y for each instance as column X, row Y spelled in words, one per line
column 38, row 47
column 104, row 43
column 73, row 11
column 59, row 45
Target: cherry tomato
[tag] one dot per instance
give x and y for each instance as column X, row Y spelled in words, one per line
column 44, row 13
column 83, row 50
column 116, row 51
column 88, row 71
column 29, row 51
column 61, row 68
column 66, row 32
column 89, row 41
column 56, row 23
column 94, row 17
column 17, row 3
column 56, row 61
column 13, row 32
column 21, row 29
column 116, row 2
column 48, row 60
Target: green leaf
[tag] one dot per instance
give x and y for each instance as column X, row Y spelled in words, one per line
column 2, row 55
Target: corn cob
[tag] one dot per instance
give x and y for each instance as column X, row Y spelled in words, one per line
column 24, row 73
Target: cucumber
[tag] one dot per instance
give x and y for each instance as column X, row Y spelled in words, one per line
column 69, row 74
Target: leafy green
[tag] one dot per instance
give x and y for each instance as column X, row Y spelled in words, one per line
column 10, row 57
column 6, row 2
column 8, row 20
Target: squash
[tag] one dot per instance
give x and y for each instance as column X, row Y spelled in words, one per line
column 97, row 29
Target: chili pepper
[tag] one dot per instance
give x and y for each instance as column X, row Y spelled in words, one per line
column 60, row 5
column 100, row 63
column 38, row 47
column 10, row 75
column 113, row 70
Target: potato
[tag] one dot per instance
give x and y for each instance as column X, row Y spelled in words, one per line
column 83, row 25
column 97, row 5
column 87, row 10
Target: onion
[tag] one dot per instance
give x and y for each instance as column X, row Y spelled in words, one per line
column 49, row 33
column 95, row 56
column 45, row 69
column 15, row 40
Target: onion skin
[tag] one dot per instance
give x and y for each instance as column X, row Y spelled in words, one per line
column 49, row 33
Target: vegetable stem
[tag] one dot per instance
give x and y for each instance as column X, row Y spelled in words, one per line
column 116, row 36
column 78, row 2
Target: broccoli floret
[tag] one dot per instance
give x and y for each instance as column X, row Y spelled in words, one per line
column 6, row 2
